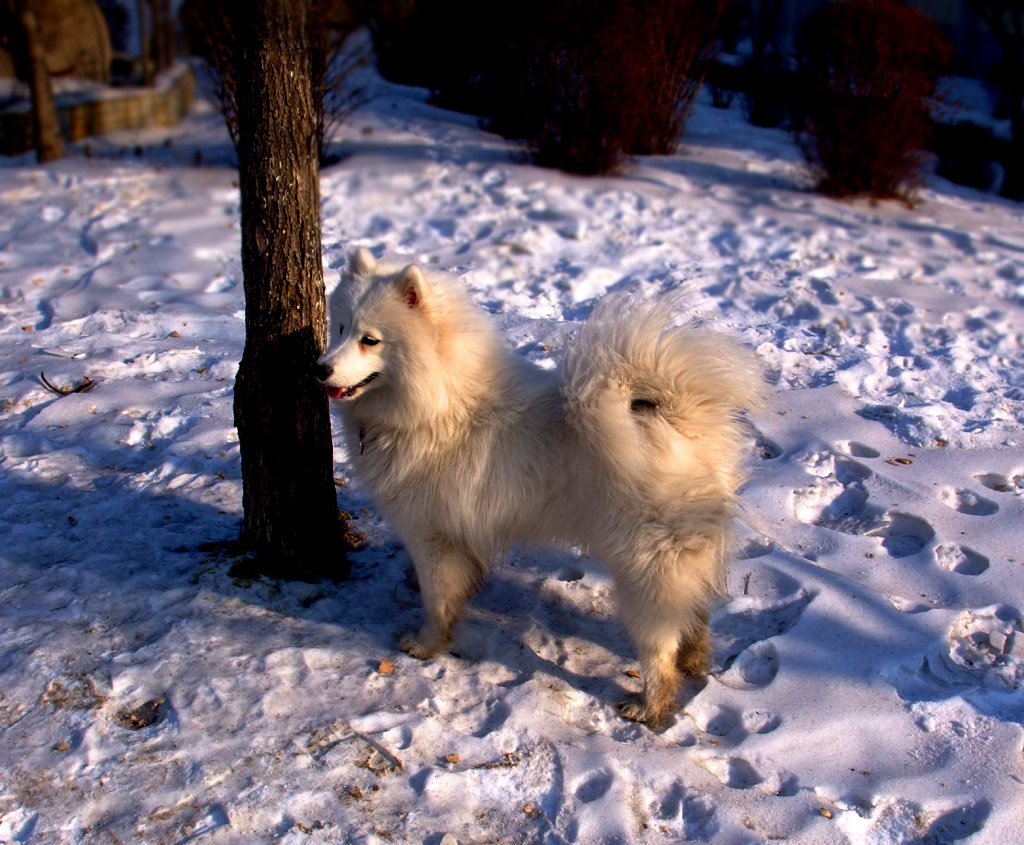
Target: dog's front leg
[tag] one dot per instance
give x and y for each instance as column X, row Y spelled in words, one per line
column 448, row 576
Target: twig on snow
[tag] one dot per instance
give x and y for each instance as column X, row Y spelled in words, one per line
column 86, row 385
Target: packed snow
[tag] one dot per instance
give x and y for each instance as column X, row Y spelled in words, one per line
column 868, row 685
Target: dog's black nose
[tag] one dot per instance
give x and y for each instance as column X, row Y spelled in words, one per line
column 322, row 371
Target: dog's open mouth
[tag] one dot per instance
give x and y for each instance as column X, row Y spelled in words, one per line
column 349, row 392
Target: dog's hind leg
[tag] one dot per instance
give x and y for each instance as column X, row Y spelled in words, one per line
column 658, row 644
column 663, row 601
column 448, row 575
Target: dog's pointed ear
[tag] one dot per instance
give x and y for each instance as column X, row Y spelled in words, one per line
column 413, row 287
column 361, row 262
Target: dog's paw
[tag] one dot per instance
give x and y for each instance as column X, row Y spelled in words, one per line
column 411, row 645
column 636, row 711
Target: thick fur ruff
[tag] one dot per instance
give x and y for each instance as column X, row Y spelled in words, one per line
column 632, row 450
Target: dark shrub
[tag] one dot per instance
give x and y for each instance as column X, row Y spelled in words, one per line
column 867, row 77
column 676, row 49
column 725, row 79
column 451, row 47
column 969, row 154
column 768, row 90
column 588, row 83
column 580, row 84
column 769, row 77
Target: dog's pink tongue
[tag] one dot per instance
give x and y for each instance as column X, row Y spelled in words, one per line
column 333, row 392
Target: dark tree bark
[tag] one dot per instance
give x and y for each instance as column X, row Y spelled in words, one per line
column 45, row 126
column 161, row 49
column 145, row 43
column 291, row 517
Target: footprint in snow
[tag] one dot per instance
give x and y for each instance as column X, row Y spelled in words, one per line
column 772, row 604
column 693, row 811
column 723, row 720
column 719, row 720
column 892, row 820
column 764, row 448
column 754, row 667
column 967, row 502
column 734, row 772
column 840, row 501
column 903, row 534
column 758, row 547
column 594, row 786
column 960, row 559
column 739, row 773
column 958, row 823
column 1001, row 483
column 988, row 644
column 858, row 450
column 760, row 721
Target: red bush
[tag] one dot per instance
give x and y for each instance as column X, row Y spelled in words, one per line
column 588, row 82
column 580, row 84
column 676, row 49
column 867, row 78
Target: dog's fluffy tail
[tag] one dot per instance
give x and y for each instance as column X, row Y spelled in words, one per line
column 660, row 404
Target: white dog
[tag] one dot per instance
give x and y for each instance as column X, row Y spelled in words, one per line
column 633, row 450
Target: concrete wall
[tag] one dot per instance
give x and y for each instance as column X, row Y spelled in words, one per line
column 94, row 112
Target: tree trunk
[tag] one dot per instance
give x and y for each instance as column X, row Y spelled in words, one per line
column 162, row 36
column 145, row 54
column 45, row 126
column 291, row 517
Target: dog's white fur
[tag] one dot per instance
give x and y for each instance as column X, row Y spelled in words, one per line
column 633, row 450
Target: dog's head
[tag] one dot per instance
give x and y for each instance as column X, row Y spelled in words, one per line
column 369, row 313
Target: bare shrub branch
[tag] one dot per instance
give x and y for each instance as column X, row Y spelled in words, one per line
column 336, row 54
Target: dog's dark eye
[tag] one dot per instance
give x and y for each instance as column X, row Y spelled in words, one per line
column 369, row 341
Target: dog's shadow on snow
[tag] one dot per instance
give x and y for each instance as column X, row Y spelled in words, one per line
column 516, row 620
column 155, row 558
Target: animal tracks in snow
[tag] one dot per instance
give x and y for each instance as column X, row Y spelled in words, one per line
column 755, row 666
column 734, row 772
column 771, row 606
column 988, row 645
column 919, row 507
column 864, row 538
column 967, row 501
column 841, row 499
column 903, row 534
column 980, row 659
column 747, row 661
column 873, row 821
column 1001, row 483
column 858, row 450
column 960, row 559
column 838, row 499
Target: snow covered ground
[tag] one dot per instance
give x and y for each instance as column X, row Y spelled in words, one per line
column 869, row 669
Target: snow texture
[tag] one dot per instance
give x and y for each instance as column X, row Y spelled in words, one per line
column 868, row 682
